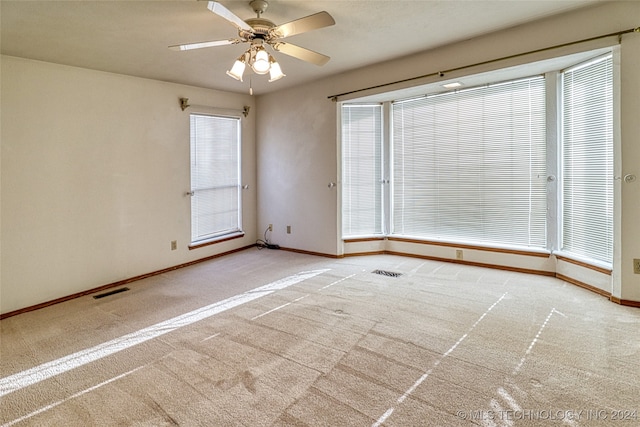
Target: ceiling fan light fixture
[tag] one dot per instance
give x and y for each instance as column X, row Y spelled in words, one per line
column 275, row 72
column 260, row 62
column 260, row 32
column 237, row 70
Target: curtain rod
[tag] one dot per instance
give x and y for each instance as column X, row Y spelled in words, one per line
column 334, row 98
column 184, row 104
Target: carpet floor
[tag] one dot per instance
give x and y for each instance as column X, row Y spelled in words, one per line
column 274, row 338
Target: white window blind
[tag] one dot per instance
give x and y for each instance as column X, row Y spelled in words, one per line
column 215, row 176
column 470, row 165
column 587, row 166
column 361, row 170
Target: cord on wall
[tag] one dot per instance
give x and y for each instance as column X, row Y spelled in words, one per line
column 266, row 243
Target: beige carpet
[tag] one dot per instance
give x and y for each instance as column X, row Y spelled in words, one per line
column 273, row 338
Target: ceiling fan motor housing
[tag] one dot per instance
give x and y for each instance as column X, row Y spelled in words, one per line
column 260, row 27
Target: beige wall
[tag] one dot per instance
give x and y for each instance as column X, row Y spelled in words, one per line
column 297, row 162
column 630, row 162
column 297, row 141
column 94, row 171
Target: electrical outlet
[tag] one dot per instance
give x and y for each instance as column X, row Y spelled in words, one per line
column 174, row 245
column 270, row 227
column 458, row 253
column 288, row 229
column 636, row 266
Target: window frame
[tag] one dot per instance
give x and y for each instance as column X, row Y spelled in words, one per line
column 588, row 255
column 236, row 230
column 374, row 230
column 553, row 140
column 466, row 138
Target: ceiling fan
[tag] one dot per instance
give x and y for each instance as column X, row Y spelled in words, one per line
column 260, row 32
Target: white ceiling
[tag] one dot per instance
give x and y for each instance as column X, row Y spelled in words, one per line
column 131, row 37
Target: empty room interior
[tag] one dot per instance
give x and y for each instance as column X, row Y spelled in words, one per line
column 330, row 213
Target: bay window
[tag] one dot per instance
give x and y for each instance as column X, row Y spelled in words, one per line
column 470, row 166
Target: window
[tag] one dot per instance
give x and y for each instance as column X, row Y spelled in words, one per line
column 361, row 169
column 587, row 166
column 215, row 176
column 471, row 165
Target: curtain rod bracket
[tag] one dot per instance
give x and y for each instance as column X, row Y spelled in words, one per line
column 245, row 110
column 184, row 103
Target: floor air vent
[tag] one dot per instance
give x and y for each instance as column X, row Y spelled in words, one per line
column 387, row 273
column 106, row 294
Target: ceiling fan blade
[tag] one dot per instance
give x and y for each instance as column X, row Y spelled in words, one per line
column 301, row 53
column 225, row 13
column 200, row 45
column 302, row 25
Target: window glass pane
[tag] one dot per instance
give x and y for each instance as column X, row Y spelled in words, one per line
column 587, row 164
column 361, row 169
column 470, row 165
column 215, row 176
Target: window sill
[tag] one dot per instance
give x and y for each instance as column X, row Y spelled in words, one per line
column 216, row 240
column 592, row 264
column 510, row 249
column 371, row 238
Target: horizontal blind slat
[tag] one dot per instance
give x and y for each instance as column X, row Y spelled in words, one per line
column 587, row 167
column 361, row 169
column 470, row 165
column 215, row 176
